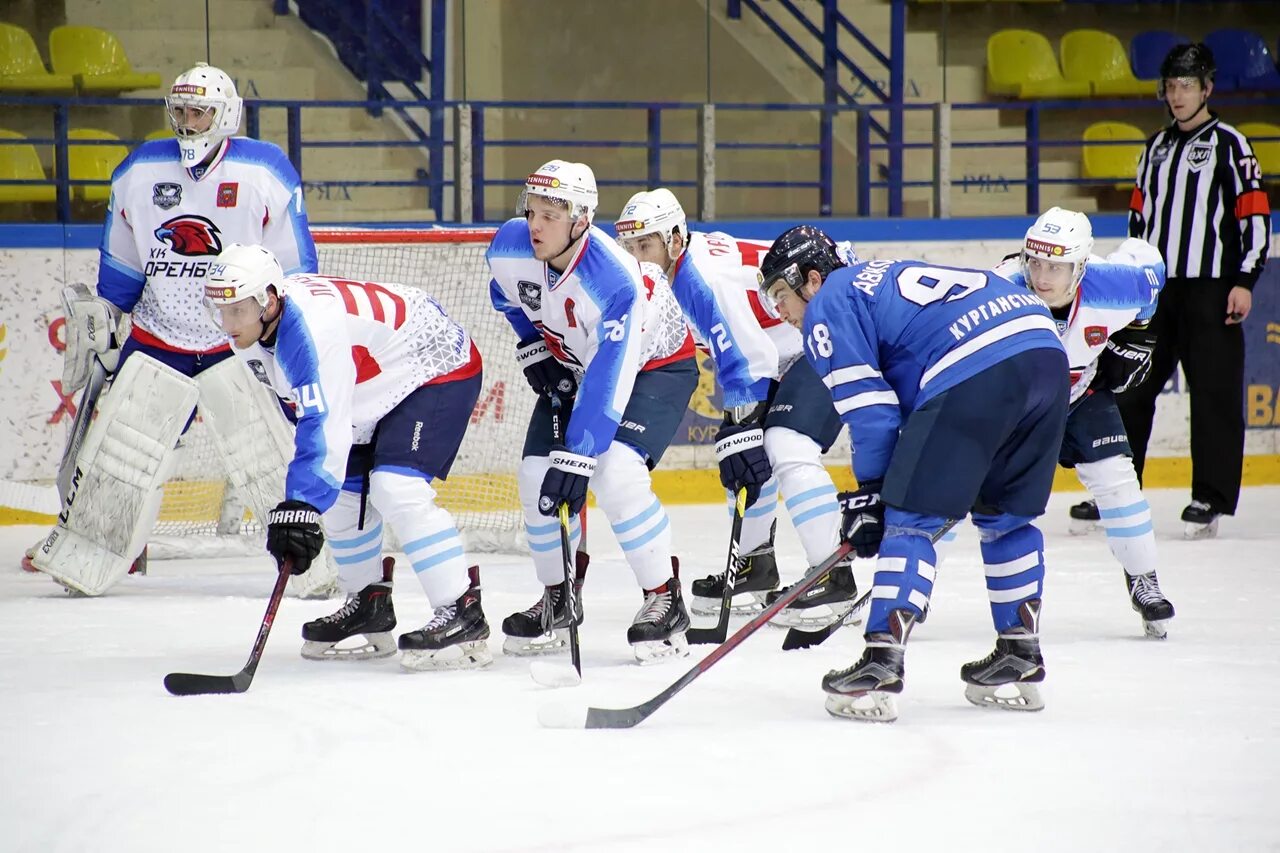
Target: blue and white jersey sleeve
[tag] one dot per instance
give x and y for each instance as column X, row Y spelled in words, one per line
column 505, row 286
column 313, row 352
column 515, row 315
column 715, row 303
column 842, row 344
column 120, row 275
column 285, row 229
column 1131, row 276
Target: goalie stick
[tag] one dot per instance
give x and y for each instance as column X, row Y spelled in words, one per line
column 191, row 684
column 578, row 717
column 717, row 634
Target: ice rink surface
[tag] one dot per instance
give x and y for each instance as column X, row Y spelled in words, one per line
column 1144, row 745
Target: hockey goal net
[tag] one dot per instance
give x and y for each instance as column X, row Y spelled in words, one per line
column 200, row 513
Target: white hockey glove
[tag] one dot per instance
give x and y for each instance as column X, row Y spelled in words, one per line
column 91, row 323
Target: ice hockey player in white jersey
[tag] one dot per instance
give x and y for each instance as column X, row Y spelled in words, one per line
column 383, row 382
column 774, row 432
column 175, row 203
column 599, row 331
column 1101, row 308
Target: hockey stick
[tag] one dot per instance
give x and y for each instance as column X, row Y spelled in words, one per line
column 80, row 428
column 546, row 673
column 717, row 634
column 562, row 717
column 189, row 684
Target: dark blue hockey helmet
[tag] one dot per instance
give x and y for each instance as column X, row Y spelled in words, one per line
column 796, row 251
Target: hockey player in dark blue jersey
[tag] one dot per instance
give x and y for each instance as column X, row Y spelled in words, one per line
column 953, row 384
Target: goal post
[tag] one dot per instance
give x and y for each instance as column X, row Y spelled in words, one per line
column 201, row 515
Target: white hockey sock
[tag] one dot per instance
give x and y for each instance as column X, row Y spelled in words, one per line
column 1126, row 515
column 624, row 493
column 427, row 533
column 810, row 494
column 543, row 531
column 358, row 552
column 758, row 519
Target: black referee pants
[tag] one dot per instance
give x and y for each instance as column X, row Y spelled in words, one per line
column 1191, row 330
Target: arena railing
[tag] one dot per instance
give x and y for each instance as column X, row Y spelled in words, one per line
column 461, row 185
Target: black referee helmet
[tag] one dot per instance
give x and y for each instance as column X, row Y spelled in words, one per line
column 1188, row 60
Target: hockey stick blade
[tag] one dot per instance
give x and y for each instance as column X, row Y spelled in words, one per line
column 574, row 717
column 550, row 674
column 190, row 684
column 798, row 638
column 698, row 636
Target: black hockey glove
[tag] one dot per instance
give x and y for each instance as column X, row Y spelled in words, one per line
column 293, row 530
column 565, row 481
column 1126, row 362
column 862, row 519
column 743, row 462
column 544, row 374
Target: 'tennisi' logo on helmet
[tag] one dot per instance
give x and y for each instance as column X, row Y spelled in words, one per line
column 191, row 235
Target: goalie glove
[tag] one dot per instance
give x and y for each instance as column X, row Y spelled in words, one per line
column 293, row 531
column 565, row 481
column 744, row 464
column 862, row 519
column 544, row 374
column 1126, row 362
column 90, row 333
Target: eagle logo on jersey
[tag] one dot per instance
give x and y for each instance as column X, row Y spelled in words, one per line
column 166, row 195
column 530, row 294
column 191, row 235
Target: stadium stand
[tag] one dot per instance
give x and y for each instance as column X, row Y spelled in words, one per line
column 22, row 69
column 96, row 61
column 1021, row 63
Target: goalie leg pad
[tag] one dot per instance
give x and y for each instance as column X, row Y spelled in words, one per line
column 116, row 488
column 255, row 443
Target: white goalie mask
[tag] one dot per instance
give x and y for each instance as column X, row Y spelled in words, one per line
column 241, row 273
column 1058, row 237
column 573, row 184
column 653, row 212
column 203, row 110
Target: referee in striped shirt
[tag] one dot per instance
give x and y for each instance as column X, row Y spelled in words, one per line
column 1199, row 199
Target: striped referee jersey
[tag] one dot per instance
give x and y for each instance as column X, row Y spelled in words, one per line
column 1199, row 199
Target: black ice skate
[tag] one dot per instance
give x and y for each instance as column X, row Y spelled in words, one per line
column 1085, row 518
column 757, row 576
column 1007, row 677
column 369, row 613
column 544, row 628
column 455, row 638
column 825, row 603
column 1201, row 521
column 657, row 632
column 1149, row 602
column 865, row 691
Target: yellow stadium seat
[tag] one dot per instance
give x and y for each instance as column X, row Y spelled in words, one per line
column 22, row 69
column 1268, row 153
column 21, row 163
column 1098, row 58
column 96, row 60
column 1118, row 162
column 93, row 163
column 1021, row 63
column 163, row 133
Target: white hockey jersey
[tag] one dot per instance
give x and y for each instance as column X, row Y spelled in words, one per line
column 164, row 225
column 1115, row 291
column 712, row 280
column 345, row 354
column 605, row 318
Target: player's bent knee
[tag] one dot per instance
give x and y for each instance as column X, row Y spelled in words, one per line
column 621, row 477
column 1107, row 475
column 786, row 446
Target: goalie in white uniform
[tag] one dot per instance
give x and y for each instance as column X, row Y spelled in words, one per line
column 598, row 331
column 1102, row 308
column 384, row 383
column 175, row 203
column 779, row 418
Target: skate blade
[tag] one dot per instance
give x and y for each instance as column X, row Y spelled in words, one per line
column 1014, row 696
column 1156, row 629
column 533, row 646
column 743, row 603
column 657, row 651
column 1200, row 531
column 1083, row 527
column 374, row 647
column 554, row 674
column 473, row 655
column 871, row 706
column 813, row 618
